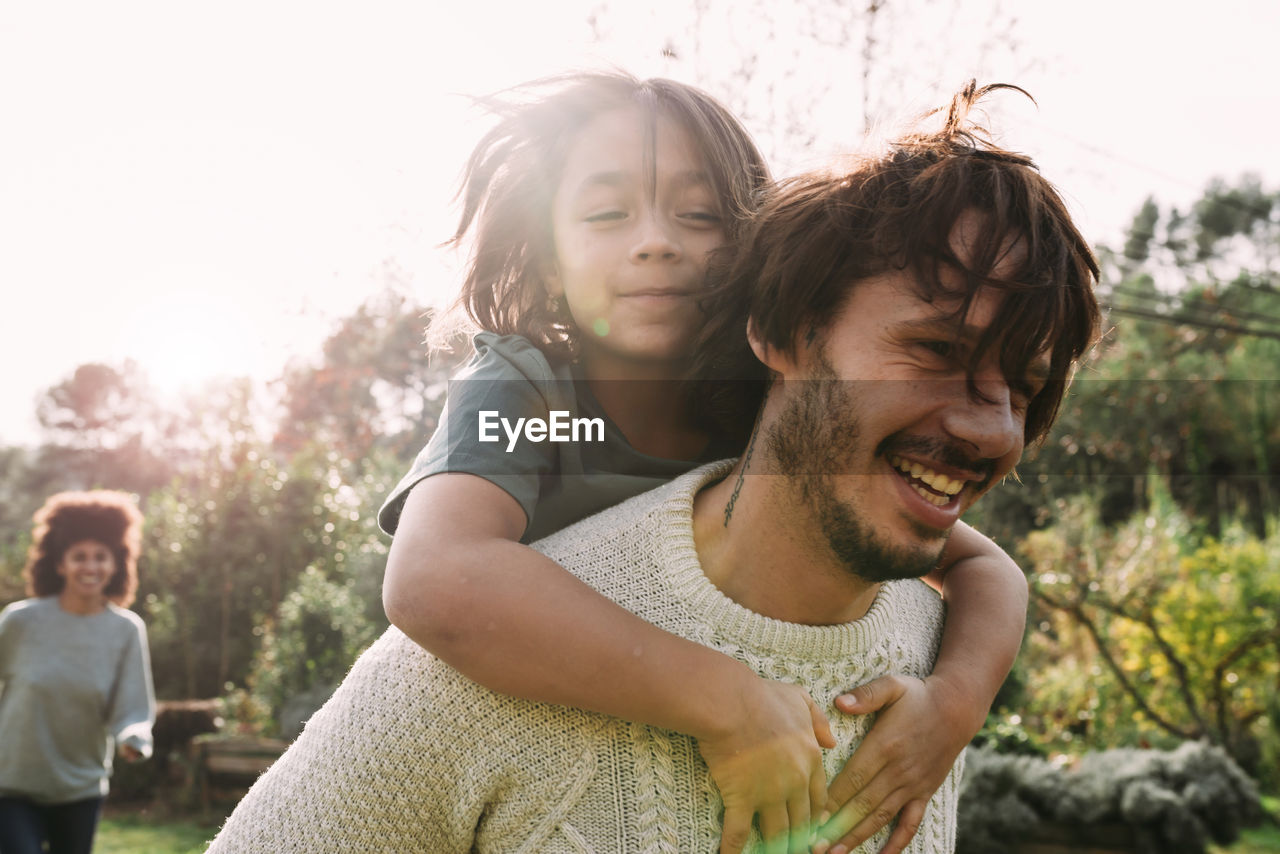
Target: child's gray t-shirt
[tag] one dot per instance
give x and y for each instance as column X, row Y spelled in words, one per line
column 556, row 482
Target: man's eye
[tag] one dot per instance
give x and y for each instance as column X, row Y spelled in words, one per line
column 943, row 349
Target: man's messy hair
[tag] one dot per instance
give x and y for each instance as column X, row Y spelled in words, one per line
column 822, row 233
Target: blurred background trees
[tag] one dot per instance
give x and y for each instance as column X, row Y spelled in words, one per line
column 1148, row 521
column 261, row 543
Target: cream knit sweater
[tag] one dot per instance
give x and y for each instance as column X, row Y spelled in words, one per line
column 411, row 756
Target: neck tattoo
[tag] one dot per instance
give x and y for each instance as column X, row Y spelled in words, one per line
column 742, row 473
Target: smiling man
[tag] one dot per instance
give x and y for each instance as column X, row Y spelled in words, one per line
column 910, row 324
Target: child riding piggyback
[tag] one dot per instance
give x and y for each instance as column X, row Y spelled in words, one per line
column 592, row 209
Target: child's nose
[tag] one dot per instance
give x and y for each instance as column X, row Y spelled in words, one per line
column 656, row 241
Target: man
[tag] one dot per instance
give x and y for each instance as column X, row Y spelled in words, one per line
column 915, row 320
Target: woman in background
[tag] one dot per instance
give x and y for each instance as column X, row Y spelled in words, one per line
column 75, row 677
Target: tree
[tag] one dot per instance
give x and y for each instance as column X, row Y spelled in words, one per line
column 101, row 425
column 1184, row 382
column 787, row 68
column 1150, row 631
column 374, row 385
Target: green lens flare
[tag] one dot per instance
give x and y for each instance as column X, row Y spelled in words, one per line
column 600, row 327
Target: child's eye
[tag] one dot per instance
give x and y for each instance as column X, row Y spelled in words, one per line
column 700, row 219
column 605, row 216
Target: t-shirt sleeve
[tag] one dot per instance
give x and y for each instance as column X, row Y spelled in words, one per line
column 508, row 379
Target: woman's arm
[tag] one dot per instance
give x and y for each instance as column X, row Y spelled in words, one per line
column 923, row 725
column 133, row 705
column 460, row 584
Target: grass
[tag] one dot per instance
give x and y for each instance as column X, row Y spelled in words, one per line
column 1259, row 840
column 147, row 831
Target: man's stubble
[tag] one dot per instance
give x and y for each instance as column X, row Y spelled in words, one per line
column 813, row 443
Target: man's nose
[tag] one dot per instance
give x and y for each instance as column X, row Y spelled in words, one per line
column 982, row 416
column 656, row 240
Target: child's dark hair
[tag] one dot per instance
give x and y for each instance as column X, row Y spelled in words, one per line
column 106, row 517
column 511, row 178
column 822, row 233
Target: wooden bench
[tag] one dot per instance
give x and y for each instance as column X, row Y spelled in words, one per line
column 226, row 767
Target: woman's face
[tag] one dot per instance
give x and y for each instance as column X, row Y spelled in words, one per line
column 87, row 567
column 631, row 242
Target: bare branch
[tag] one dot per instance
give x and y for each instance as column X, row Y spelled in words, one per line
column 1077, row 612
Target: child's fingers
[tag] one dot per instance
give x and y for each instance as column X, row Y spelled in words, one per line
column 774, row 824
column 818, row 795
column 871, row 809
column 737, row 827
column 908, row 823
column 866, row 763
column 798, row 832
column 871, row 697
column 821, row 726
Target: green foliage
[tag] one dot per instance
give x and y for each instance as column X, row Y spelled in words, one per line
column 1007, row 736
column 1150, row 632
column 225, row 545
column 1185, row 381
column 322, row 628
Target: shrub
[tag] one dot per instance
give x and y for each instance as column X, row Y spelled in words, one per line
column 1174, row 801
column 323, row 628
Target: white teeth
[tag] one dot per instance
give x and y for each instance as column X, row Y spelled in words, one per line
column 929, row 477
column 936, row 500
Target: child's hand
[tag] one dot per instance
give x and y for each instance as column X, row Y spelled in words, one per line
column 922, row 727
column 766, row 760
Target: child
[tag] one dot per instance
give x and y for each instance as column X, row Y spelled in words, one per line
column 594, row 208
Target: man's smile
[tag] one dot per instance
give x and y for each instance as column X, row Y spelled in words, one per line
column 933, row 486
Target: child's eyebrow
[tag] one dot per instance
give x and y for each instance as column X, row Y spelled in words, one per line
column 614, row 178
column 618, row 177
column 691, row 178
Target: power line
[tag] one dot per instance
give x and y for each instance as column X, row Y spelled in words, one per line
column 1173, row 302
column 1192, row 321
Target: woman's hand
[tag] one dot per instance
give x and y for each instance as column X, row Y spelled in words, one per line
column 922, row 727
column 767, row 759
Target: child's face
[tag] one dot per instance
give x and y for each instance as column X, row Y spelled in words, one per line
column 632, row 245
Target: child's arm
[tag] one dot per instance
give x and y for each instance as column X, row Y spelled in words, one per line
column 460, row 584
column 923, row 725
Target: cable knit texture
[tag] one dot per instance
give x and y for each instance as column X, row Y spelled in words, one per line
column 411, row 756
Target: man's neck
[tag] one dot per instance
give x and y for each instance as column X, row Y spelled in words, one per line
column 766, row 553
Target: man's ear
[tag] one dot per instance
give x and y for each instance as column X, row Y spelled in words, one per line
column 771, row 357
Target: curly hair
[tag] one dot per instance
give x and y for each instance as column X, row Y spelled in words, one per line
column 104, row 516
column 511, row 178
column 820, row 234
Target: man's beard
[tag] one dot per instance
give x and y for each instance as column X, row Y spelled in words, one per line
column 812, row 443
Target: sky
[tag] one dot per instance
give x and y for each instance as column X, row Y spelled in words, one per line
column 206, row 188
